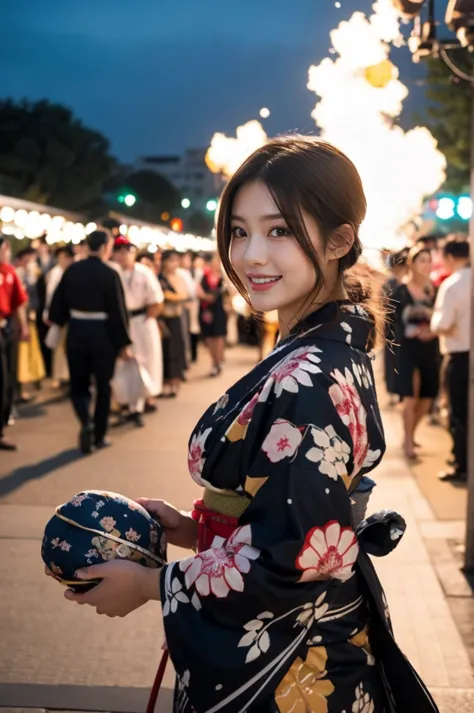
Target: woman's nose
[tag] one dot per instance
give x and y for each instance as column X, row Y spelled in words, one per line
column 256, row 252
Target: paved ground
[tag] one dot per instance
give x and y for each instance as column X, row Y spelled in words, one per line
column 57, row 656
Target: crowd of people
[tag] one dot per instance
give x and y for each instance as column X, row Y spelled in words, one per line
column 122, row 322
column 428, row 341
column 166, row 303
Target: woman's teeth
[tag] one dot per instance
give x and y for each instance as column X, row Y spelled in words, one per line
column 263, row 280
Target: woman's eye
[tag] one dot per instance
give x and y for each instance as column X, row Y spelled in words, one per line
column 238, row 232
column 279, row 232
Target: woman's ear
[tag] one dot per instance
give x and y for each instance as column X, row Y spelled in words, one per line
column 340, row 242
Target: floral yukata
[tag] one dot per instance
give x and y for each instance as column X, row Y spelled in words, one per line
column 274, row 618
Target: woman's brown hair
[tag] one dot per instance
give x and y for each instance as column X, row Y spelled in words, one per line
column 415, row 252
column 305, row 174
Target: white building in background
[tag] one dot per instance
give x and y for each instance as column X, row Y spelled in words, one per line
column 188, row 173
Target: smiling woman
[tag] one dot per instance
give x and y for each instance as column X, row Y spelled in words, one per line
column 280, row 609
column 288, row 226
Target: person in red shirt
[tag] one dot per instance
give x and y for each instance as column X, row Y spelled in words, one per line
column 13, row 300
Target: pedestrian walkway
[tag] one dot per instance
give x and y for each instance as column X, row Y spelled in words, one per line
column 422, row 618
column 54, row 655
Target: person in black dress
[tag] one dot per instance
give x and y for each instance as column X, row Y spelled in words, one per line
column 90, row 300
column 213, row 316
column 174, row 348
column 398, row 271
column 418, row 361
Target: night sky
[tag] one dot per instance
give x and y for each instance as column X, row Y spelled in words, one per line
column 157, row 76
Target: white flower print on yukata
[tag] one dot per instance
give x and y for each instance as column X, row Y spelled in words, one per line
column 363, row 702
column 294, row 370
column 282, row 441
column 196, row 458
column 352, row 413
column 348, row 329
column 329, row 552
column 219, row 571
column 257, row 636
column 313, row 611
column 330, row 452
column 362, row 374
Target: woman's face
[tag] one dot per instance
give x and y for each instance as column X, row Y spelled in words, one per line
column 423, row 265
column 171, row 264
column 147, row 261
column 267, row 257
column 198, row 263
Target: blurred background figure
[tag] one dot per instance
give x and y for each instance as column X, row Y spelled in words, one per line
column 174, row 349
column 45, row 261
column 397, row 263
column 451, row 320
column 232, row 338
column 145, row 258
column 213, row 314
column 144, row 301
column 157, row 261
column 31, row 368
column 90, row 300
column 64, row 258
column 13, row 300
column 184, row 272
column 418, row 360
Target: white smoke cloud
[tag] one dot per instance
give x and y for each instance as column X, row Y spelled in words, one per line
column 226, row 154
column 398, row 168
column 360, row 95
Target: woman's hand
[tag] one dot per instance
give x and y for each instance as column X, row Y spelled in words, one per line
column 125, row 586
column 181, row 530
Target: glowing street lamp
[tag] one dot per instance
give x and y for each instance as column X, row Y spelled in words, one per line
column 186, row 203
column 211, row 206
column 446, row 208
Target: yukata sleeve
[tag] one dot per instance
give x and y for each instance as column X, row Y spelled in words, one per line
column 237, row 617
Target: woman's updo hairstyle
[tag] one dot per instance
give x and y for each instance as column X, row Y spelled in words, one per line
column 307, row 174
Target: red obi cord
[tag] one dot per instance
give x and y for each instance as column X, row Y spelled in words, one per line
column 211, row 524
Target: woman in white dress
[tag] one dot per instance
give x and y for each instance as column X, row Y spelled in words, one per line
column 144, row 299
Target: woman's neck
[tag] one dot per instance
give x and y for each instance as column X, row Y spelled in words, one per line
column 419, row 280
column 290, row 315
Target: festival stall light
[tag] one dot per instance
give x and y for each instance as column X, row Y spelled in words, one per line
column 24, row 219
column 7, row 214
column 21, row 217
column 18, row 220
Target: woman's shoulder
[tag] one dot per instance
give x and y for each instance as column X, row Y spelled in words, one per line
column 401, row 291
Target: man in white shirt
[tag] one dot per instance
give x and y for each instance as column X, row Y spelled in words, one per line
column 144, row 300
column 452, row 322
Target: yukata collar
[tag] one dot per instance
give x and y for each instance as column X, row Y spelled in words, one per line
column 339, row 321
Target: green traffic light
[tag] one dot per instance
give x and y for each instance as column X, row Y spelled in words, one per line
column 211, row 205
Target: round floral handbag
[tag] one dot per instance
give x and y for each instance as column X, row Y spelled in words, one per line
column 96, row 526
